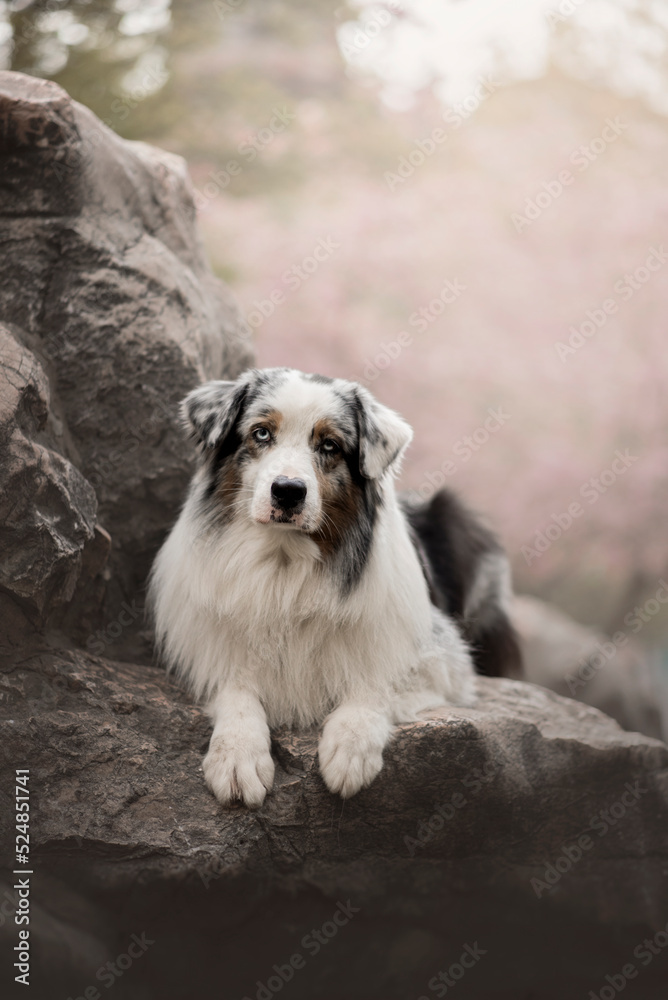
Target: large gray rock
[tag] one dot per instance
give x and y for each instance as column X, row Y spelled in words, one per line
column 103, row 280
column 49, row 540
column 472, row 833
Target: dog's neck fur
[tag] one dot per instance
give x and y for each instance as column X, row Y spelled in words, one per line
column 276, row 574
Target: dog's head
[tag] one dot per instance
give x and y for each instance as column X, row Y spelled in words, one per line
column 292, row 450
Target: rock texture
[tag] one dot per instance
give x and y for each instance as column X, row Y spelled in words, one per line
column 47, row 509
column 439, row 852
column 526, row 836
column 103, row 281
column 579, row 662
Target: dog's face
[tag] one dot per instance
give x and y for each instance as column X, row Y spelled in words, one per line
column 293, row 451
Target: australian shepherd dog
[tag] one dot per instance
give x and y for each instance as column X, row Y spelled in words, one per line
column 297, row 588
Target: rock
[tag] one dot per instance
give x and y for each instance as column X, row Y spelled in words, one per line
column 440, row 852
column 103, row 279
column 47, row 509
column 579, row 662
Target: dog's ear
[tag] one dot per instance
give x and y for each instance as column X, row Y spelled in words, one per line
column 383, row 435
column 211, row 411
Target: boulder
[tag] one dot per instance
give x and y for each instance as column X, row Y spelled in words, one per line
column 529, row 829
column 50, row 538
column 580, row 662
column 104, row 282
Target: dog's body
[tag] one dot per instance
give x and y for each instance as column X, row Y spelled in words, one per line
column 294, row 588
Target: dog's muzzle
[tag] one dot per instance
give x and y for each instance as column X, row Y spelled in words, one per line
column 288, row 494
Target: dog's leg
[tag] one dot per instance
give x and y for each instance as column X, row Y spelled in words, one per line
column 238, row 764
column 351, row 747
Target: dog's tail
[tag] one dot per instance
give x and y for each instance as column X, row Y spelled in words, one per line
column 469, row 578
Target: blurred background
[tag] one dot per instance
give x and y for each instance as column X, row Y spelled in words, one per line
column 462, row 204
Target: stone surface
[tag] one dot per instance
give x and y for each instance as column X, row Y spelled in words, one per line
column 47, row 509
column 103, row 279
column 579, row 662
column 126, row 839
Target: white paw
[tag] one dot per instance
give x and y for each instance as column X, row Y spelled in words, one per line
column 239, row 767
column 351, row 754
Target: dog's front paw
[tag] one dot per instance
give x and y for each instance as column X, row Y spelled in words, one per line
column 239, row 767
column 351, row 752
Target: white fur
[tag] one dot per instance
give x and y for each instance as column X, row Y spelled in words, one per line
column 251, row 616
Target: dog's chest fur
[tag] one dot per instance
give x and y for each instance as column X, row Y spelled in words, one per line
column 282, row 622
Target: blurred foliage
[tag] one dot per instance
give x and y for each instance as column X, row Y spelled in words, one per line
column 203, row 78
column 95, row 50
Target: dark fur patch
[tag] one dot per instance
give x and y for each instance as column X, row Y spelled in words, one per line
column 223, row 465
column 495, row 647
column 370, row 437
column 454, row 542
column 225, row 495
column 225, row 461
column 341, row 506
column 326, row 429
column 350, row 508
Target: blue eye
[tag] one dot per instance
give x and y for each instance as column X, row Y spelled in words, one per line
column 261, row 435
column 329, row 447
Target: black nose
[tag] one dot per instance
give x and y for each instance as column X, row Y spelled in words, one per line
column 288, row 492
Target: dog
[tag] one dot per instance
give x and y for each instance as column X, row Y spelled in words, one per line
column 297, row 588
